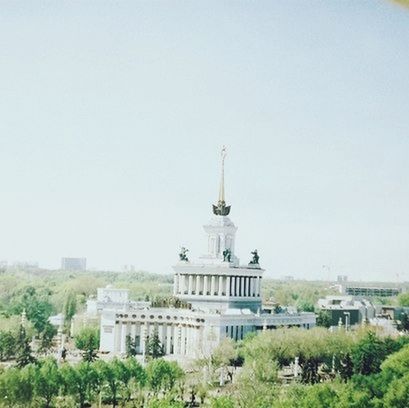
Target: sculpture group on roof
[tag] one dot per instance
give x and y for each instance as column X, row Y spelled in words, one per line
column 183, row 254
column 255, row 260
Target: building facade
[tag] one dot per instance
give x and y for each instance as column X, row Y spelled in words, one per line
column 347, row 310
column 372, row 291
column 224, row 298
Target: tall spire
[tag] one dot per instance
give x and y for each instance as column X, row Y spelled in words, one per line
column 221, row 191
column 221, row 208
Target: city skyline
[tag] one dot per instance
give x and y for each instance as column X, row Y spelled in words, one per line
column 113, row 119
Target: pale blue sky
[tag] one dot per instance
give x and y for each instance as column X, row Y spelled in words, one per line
column 113, row 114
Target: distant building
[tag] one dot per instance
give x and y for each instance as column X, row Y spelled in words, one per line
column 110, row 298
column 73, row 264
column 288, row 278
column 347, row 309
column 342, row 278
column 370, row 291
column 26, row 266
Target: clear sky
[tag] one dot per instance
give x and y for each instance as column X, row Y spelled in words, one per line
column 112, row 115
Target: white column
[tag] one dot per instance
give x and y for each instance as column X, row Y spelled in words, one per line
column 162, row 334
column 212, row 285
column 189, row 291
column 258, row 286
column 251, row 286
column 178, row 339
column 176, row 284
column 227, row 285
column 118, row 331
column 205, row 285
column 197, row 284
column 183, row 341
column 168, row 337
column 220, row 291
column 143, row 338
column 182, row 284
column 123, row 337
column 188, row 339
column 234, row 287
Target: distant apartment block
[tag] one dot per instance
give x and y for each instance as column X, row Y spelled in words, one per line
column 342, row 278
column 73, row 264
column 367, row 291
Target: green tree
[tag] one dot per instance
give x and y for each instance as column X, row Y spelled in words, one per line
column 309, row 373
column 37, row 307
column 323, row 319
column 7, row 345
column 47, row 381
column 167, row 402
column 305, row 306
column 346, row 369
column 130, row 346
column 403, row 299
column 222, row 402
column 137, row 375
column 321, row 396
column 16, row 386
column 70, row 306
column 155, row 347
column 112, row 374
column 368, row 354
column 255, row 386
column 87, row 340
column 24, row 354
column 163, row 375
column 397, row 364
column 79, row 381
column 46, row 337
column 397, row 395
column 404, row 321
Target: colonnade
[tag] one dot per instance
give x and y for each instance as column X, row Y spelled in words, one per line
column 177, row 338
column 217, row 285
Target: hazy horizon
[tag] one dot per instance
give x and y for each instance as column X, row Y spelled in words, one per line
column 113, row 115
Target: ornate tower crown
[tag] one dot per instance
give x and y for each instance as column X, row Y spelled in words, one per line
column 221, row 208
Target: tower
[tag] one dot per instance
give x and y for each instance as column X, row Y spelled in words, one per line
column 217, row 281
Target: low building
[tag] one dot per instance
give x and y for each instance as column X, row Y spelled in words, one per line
column 347, row 310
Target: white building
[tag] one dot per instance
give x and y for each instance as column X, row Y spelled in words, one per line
column 110, row 298
column 73, row 264
column 224, row 295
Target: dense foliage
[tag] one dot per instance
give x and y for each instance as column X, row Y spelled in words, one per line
column 340, row 369
column 116, row 382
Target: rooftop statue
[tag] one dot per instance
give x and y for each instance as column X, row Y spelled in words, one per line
column 183, row 254
column 227, row 255
column 255, row 260
column 221, row 208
